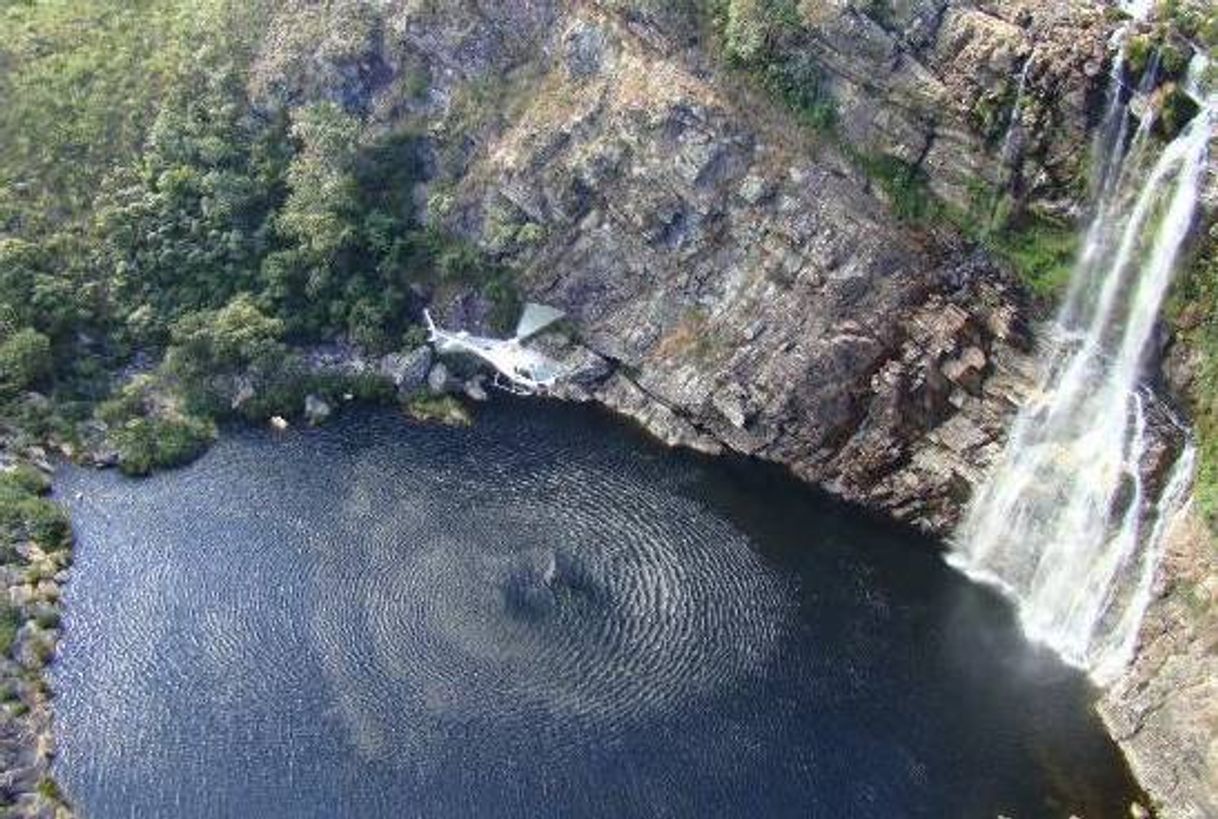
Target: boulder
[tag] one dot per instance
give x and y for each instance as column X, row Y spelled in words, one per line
column 584, row 46
column 967, row 370
column 407, row 371
column 439, row 380
column 475, row 389
column 316, row 409
column 243, row 391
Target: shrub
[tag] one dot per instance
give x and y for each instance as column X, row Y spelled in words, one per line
column 48, row 789
column 442, row 409
column 800, row 84
column 24, row 514
column 904, row 184
column 28, row 479
column 25, row 359
column 147, row 443
column 10, row 622
column 752, row 26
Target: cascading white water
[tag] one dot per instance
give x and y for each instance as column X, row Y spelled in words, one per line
column 1008, row 153
column 1065, row 522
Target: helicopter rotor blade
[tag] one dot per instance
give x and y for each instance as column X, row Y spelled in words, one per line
column 535, row 318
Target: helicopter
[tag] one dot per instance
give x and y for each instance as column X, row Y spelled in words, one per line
column 518, row 369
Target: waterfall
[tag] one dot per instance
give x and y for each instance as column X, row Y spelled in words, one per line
column 1008, row 153
column 1065, row 522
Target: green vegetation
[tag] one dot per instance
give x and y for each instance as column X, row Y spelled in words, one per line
column 26, row 513
column 766, row 39
column 1196, row 20
column 443, row 409
column 146, row 207
column 904, row 184
column 10, row 622
column 1193, row 311
column 49, row 789
column 1042, row 252
column 25, row 360
column 145, row 444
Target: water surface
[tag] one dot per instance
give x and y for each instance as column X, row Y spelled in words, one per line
column 544, row 615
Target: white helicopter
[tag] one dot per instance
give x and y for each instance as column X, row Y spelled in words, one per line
column 527, row 371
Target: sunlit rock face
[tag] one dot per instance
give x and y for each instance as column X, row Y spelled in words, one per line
column 748, row 284
column 934, row 83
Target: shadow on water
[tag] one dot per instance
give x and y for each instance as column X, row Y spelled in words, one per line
column 545, row 615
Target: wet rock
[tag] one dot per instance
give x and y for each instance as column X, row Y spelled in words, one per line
column 407, row 371
column 475, row 388
column 1164, row 708
column 316, row 409
column 439, row 381
column 104, row 457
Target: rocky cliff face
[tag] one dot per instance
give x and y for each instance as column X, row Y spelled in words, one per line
column 938, row 84
column 1164, row 711
column 738, row 282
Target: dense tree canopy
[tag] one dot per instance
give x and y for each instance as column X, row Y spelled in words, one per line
column 148, row 209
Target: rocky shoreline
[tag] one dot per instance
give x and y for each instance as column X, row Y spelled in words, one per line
column 33, row 574
column 927, row 494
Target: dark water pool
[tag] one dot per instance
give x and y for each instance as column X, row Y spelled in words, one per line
column 545, row 615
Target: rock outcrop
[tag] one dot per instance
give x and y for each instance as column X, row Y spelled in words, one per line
column 749, row 287
column 937, row 84
column 1164, row 710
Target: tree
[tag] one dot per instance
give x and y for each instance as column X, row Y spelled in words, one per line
column 320, row 210
column 25, row 359
column 220, row 339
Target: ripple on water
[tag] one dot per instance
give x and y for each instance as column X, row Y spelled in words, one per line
column 377, row 620
column 585, row 597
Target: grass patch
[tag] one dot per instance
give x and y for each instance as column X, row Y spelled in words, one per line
column 49, row 789
column 26, row 514
column 1041, row 252
column 443, row 409
column 10, row 621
